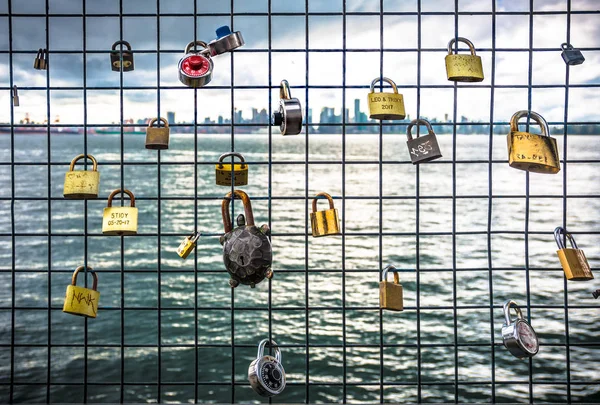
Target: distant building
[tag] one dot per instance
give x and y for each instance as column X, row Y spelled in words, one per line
column 171, row 117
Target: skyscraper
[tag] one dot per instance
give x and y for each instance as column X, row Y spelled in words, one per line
column 171, row 117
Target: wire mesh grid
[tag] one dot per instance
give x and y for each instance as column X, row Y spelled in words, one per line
column 360, row 365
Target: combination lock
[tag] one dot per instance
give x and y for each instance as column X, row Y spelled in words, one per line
column 265, row 373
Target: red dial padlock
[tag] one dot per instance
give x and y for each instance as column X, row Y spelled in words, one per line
column 195, row 68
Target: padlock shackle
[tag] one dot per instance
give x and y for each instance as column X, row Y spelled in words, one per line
column 15, row 91
column 247, row 209
column 384, row 79
column 40, row 54
column 506, row 308
column 273, row 344
column 284, row 90
column 118, row 191
column 322, row 194
column 82, row 156
column 203, row 44
column 392, row 268
column 561, row 232
column 87, row 269
column 234, row 154
column 464, row 40
column 194, row 237
column 566, row 46
column 114, row 47
column 417, row 122
column 514, row 121
column 161, row 119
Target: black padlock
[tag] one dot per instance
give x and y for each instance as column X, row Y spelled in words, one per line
column 570, row 55
column 121, row 58
column 422, row 148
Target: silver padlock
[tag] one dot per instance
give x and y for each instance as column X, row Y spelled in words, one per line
column 15, row 96
column 518, row 337
column 422, row 148
column 289, row 116
column 266, row 373
column 226, row 41
column 570, row 55
column 196, row 67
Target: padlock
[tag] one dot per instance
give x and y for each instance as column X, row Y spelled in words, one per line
column 41, row 60
column 385, row 106
column 289, row 115
column 518, row 337
column 224, row 171
column 390, row 294
column 570, row 55
column 266, row 373
column 157, row 137
column 422, row 148
column 573, row 260
column 121, row 58
column 463, row 68
column 247, row 251
column 15, row 96
column 226, row 41
column 120, row 220
column 82, row 184
column 196, row 67
column 79, row 300
column 532, row 152
column 187, row 246
column 326, row 222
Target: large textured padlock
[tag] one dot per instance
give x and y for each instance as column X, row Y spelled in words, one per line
column 422, row 148
column 41, row 60
column 289, row 115
column 266, row 373
column 518, row 337
column 247, row 252
column 390, row 294
column 15, row 96
column 187, row 246
column 224, row 171
column 385, row 106
column 463, row 68
column 570, row 55
column 196, row 67
column 573, row 260
column 79, row 300
column 122, row 58
column 226, row 41
column 326, row 222
column 532, row 152
column 120, row 220
column 81, row 184
column 157, row 137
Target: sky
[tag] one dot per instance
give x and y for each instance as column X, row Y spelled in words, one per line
column 251, row 66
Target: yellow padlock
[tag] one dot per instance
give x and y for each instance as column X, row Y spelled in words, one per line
column 391, row 294
column 82, row 184
column 187, row 245
column 327, row 222
column 223, row 171
column 385, row 106
column 120, row 220
column 79, row 300
column 573, row 261
column 463, row 68
column 532, row 152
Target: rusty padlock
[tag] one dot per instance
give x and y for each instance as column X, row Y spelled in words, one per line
column 573, row 260
column 120, row 220
column 82, row 184
column 326, row 222
column 463, row 68
column 79, row 300
column 224, row 171
column 121, row 58
column 390, row 294
column 157, row 137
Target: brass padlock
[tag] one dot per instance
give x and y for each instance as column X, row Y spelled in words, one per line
column 463, row 68
column 82, row 184
column 326, row 222
column 79, row 300
column 570, row 55
column 120, row 220
column 224, row 171
column 422, row 148
column 390, row 294
column 15, row 96
column 532, row 152
column 121, row 58
column 41, row 60
column 573, row 260
column 226, row 41
column 157, row 137
column 289, row 115
column 187, row 246
column 385, row 106
column 196, row 67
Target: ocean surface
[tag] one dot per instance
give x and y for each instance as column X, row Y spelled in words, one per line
column 168, row 320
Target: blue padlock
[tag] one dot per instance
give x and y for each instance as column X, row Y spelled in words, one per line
column 226, row 41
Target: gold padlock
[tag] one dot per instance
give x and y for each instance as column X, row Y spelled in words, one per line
column 157, row 137
column 79, row 300
column 573, row 260
column 390, row 294
column 224, row 172
column 532, row 152
column 81, row 184
column 187, row 246
column 385, row 106
column 120, row 220
column 325, row 222
column 463, row 68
